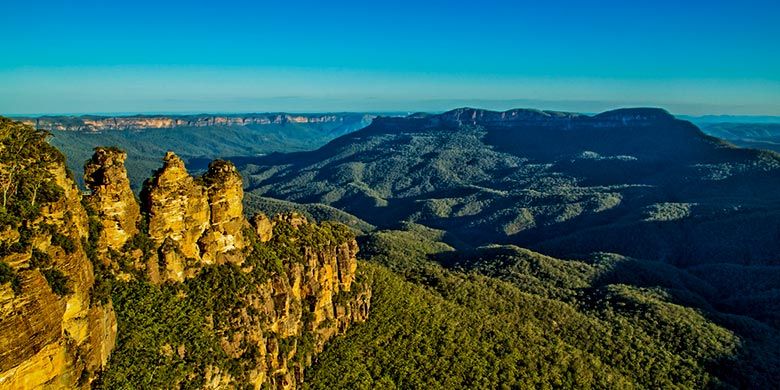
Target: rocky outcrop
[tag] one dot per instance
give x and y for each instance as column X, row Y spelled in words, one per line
column 263, row 227
column 304, row 300
column 290, row 317
column 194, row 222
column 223, row 241
column 52, row 333
column 307, row 299
column 58, row 326
column 111, row 198
column 32, row 349
column 179, row 214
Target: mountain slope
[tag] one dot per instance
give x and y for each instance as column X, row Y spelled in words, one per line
column 632, row 181
column 181, row 290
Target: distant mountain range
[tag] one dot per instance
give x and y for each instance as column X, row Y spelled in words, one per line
column 748, row 135
column 663, row 227
column 730, row 118
column 552, row 181
column 198, row 138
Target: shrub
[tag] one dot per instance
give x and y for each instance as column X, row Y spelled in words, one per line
column 7, row 274
column 64, row 242
column 58, row 282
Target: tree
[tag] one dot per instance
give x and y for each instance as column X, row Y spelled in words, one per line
column 25, row 162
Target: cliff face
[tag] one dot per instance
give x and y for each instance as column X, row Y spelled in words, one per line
column 223, row 241
column 52, row 333
column 64, row 261
column 288, row 319
column 98, row 123
column 178, row 215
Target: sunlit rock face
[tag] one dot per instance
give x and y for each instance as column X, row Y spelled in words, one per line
column 111, row 198
column 298, row 310
column 313, row 296
column 53, row 334
column 179, row 214
column 223, row 240
column 195, row 221
column 263, row 227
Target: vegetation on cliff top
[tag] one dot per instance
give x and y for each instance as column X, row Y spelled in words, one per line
column 27, row 183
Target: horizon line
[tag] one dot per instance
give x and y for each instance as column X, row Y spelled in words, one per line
column 130, row 114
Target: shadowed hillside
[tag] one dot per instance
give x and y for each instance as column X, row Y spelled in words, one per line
column 632, row 181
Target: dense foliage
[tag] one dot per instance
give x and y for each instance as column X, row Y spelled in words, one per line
column 25, row 177
column 504, row 317
column 8, row 275
column 27, row 182
column 155, row 319
column 315, row 212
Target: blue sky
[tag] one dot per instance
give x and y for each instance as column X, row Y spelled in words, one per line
column 693, row 57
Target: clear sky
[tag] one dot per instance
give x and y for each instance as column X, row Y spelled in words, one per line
column 689, row 56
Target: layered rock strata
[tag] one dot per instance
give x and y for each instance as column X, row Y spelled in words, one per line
column 53, row 334
column 111, row 197
column 101, row 123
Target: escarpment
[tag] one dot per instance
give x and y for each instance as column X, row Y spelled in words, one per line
column 274, row 290
column 104, row 123
column 53, row 333
column 178, row 290
column 306, row 295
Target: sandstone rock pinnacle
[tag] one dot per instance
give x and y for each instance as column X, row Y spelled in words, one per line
column 224, row 239
column 178, row 210
column 111, row 198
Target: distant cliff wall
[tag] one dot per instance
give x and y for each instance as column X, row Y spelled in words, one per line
column 108, row 123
